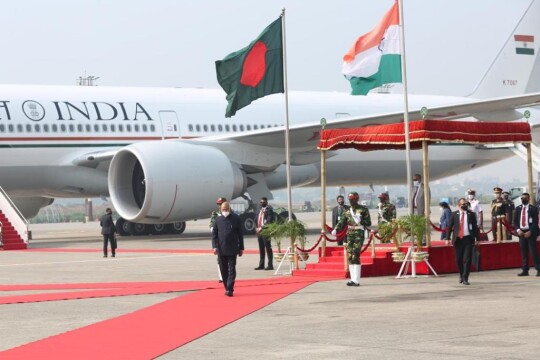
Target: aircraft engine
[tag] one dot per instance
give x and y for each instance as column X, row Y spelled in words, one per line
column 170, row 181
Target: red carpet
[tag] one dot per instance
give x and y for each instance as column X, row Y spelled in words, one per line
column 155, row 330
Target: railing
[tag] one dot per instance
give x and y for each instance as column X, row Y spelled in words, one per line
column 14, row 215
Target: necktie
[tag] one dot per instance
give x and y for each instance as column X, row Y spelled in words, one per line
column 261, row 217
column 461, row 225
column 523, row 217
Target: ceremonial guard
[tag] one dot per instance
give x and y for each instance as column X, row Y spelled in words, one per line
column 509, row 210
column 387, row 210
column 498, row 208
column 357, row 218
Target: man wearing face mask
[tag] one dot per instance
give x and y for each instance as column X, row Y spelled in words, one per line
column 498, row 208
column 356, row 219
column 510, row 207
column 464, row 231
column 418, row 195
column 266, row 216
column 228, row 243
column 337, row 213
column 526, row 223
column 475, row 207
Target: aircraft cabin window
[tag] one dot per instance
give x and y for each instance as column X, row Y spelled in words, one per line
column 153, row 128
column 205, row 128
column 136, row 127
column 121, row 128
column 128, row 128
column 88, row 128
column 28, row 128
column 220, row 128
column 104, row 127
column 63, row 128
column 79, row 128
column 241, row 127
column 46, row 128
column 213, row 128
column 190, row 127
column 113, row 128
column 71, row 128
column 198, row 127
column 248, row 127
column 54, row 128
column 262, row 126
column 37, row 128
column 234, row 128
column 10, row 128
column 96, row 128
column 144, row 128
column 2, row 128
column 227, row 128
column 19, row 128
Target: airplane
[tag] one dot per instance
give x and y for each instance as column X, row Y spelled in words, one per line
column 164, row 155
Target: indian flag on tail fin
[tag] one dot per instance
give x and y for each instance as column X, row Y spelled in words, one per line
column 375, row 57
column 524, row 44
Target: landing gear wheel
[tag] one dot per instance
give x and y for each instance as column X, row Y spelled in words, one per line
column 158, row 229
column 139, row 229
column 249, row 225
column 123, row 227
column 177, row 227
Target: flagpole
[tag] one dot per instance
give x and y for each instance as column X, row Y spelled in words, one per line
column 287, row 139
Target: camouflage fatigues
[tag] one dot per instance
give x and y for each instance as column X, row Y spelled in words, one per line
column 387, row 212
column 213, row 218
column 355, row 238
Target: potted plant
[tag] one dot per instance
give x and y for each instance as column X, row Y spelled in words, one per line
column 388, row 232
column 416, row 226
column 294, row 230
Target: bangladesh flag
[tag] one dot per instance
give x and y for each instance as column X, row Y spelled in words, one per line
column 254, row 71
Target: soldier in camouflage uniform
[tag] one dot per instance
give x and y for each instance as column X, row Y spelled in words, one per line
column 387, row 210
column 213, row 218
column 509, row 211
column 356, row 219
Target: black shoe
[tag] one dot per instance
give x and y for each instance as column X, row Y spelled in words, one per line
column 113, row 255
column 220, row 281
column 104, row 255
column 229, row 293
column 525, row 273
column 460, row 280
column 269, row 268
column 465, row 282
column 352, row 283
column 537, row 272
column 260, row 267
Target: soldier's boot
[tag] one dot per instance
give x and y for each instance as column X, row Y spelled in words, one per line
column 351, row 272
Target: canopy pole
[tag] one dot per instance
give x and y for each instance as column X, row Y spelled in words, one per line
column 529, row 172
column 427, row 200
column 323, row 201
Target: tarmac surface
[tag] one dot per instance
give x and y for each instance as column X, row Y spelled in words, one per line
column 496, row 317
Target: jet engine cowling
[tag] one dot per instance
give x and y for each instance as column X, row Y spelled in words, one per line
column 170, row 181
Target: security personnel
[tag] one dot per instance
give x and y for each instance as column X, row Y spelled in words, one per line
column 509, row 210
column 498, row 208
column 357, row 218
column 387, row 210
column 526, row 223
column 217, row 212
column 337, row 213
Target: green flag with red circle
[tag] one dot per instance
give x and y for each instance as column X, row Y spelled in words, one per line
column 254, row 71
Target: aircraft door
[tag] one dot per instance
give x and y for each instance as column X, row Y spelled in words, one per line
column 170, row 127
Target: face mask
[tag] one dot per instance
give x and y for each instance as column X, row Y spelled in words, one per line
column 524, row 201
column 416, row 183
column 225, row 213
column 441, row 209
column 341, row 202
column 470, row 197
column 505, row 197
column 263, row 204
column 464, row 207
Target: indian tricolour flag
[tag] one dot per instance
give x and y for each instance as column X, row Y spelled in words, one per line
column 375, row 57
column 524, row 44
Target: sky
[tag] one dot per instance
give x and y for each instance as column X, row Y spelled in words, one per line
column 174, row 43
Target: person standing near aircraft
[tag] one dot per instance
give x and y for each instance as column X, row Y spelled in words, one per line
column 213, row 218
column 337, row 213
column 356, row 219
column 108, row 230
column 498, row 208
column 444, row 221
column 227, row 244
column 387, row 210
column 526, row 223
column 266, row 216
column 463, row 230
column 419, row 207
column 510, row 207
column 475, row 207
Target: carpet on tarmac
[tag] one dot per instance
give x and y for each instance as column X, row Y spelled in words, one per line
column 158, row 329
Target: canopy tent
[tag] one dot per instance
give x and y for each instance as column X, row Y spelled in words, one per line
column 421, row 134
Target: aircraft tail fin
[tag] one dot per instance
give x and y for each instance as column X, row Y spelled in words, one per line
column 516, row 69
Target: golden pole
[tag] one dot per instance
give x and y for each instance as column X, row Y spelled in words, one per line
column 323, row 200
column 499, row 229
column 427, row 200
column 529, row 172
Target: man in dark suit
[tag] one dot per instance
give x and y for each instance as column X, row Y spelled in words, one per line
column 228, row 243
column 337, row 213
column 107, row 230
column 464, row 230
column 266, row 216
column 526, row 223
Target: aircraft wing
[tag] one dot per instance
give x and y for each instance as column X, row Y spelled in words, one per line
column 304, row 137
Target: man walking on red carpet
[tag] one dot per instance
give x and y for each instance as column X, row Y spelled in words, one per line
column 228, row 243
